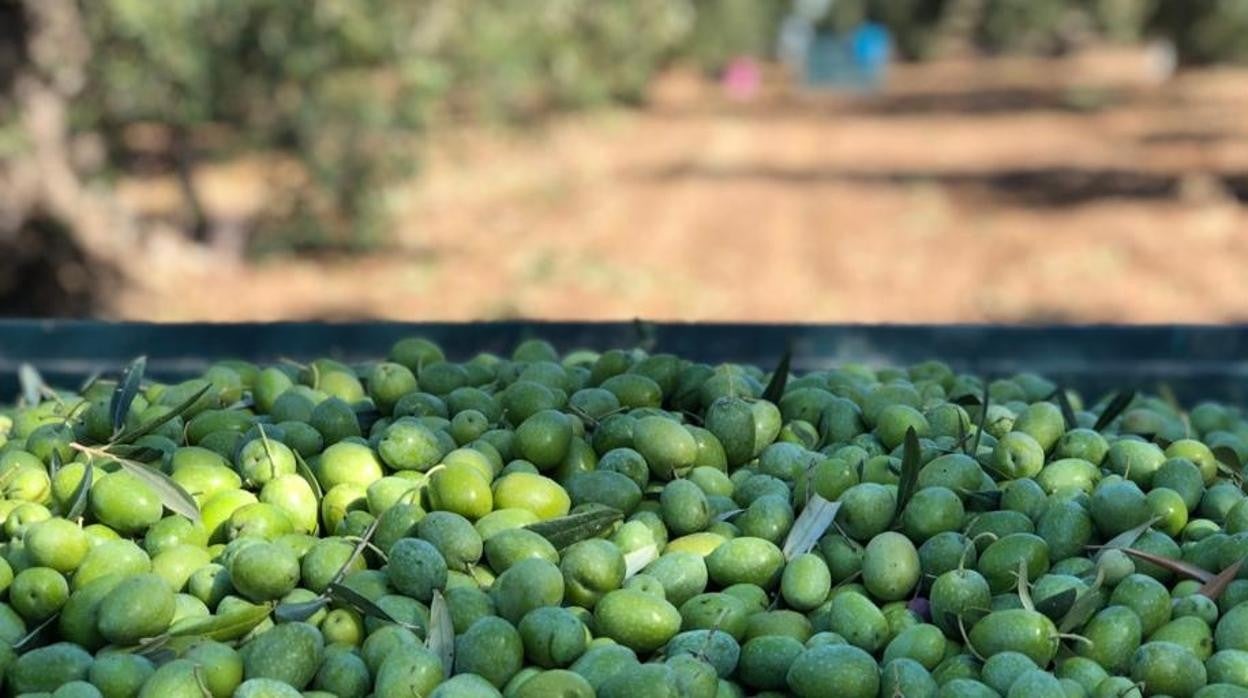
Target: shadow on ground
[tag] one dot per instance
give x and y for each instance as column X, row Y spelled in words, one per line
column 997, row 101
column 1042, row 187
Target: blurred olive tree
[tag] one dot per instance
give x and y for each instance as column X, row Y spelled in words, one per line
column 346, row 86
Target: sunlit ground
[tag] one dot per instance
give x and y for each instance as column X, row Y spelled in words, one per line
column 1017, row 190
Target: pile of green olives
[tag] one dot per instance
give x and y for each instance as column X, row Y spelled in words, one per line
column 624, row 524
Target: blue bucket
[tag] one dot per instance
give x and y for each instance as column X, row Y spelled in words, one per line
column 857, row 60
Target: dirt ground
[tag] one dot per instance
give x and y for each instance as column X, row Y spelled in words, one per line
column 1008, row 190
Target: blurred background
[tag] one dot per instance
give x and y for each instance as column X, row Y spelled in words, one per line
column 756, row 160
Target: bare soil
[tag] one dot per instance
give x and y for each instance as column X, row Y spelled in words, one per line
column 1076, row 189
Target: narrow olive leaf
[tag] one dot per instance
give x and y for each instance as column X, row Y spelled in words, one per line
column 983, row 421
column 964, row 437
column 1215, row 587
column 1024, row 587
column 54, row 463
column 305, row 472
column 198, row 673
column 360, row 545
column 1063, row 402
column 141, row 454
column 726, row 515
column 1058, row 605
column 35, row 636
column 566, row 530
column 151, row 647
column 155, row 423
column 123, row 396
column 226, row 627
column 779, row 378
column 89, row 382
column 157, row 655
column 984, row 499
column 296, row 612
column 1086, row 604
column 1177, row 566
column 1228, row 457
column 1115, row 407
column 1166, row 393
column 78, row 503
column 32, row 384
column 1127, row 538
column 268, row 451
column 910, row 462
column 441, row 637
column 967, row 400
column 244, row 402
column 647, row 334
column 346, row 596
column 171, row 494
column 638, row 559
column 811, row 524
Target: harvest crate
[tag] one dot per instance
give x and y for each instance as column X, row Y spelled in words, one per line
column 1196, row 362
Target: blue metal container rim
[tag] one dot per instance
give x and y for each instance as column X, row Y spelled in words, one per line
column 1196, row 361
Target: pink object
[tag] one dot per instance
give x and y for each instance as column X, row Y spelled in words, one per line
column 742, row 78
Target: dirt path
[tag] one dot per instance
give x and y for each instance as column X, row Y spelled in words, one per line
column 1008, row 190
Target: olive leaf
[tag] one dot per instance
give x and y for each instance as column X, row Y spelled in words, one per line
column 1086, row 603
column 170, row 493
column 779, row 378
column 78, row 503
column 910, row 462
column 243, row 403
column 1115, row 407
column 647, row 334
column 983, row 420
column 89, row 381
column 1177, row 566
column 305, row 472
column 637, row 560
column 1215, row 587
column 1058, row 605
column 566, row 530
column 441, row 638
column 1166, row 393
column 268, row 450
column 223, row 628
column 811, row 524
column 1127, row 538
column 198, row 673
column 54, row 463
column 1227, row 456
column 129, row 435
column 346, row 596
column 141, row 454
column 32, row 384
column 35, row 636
column 1063, row 402
column 967, row 400
column 1024, row 587
column 360, row 545
column 125, row 392
column 704, row 651
column 725, row 515
column 985, row 499
column 296, row 612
